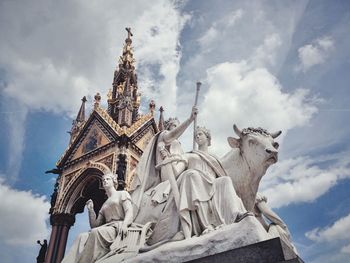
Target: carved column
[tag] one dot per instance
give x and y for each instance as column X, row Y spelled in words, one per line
column 61, row 224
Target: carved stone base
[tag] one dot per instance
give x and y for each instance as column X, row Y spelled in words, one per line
column 246, row 232
column 272, row 250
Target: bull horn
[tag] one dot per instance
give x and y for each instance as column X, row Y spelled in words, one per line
column 275, row 134
column 237, row 131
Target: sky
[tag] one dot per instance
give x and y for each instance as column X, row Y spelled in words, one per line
column 280, row 65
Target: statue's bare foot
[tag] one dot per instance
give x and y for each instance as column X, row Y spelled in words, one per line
column 208, row 229
column 241, row 216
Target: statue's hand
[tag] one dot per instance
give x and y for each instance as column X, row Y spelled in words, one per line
column 124, row 230
column 90, row 205
column 194, row 113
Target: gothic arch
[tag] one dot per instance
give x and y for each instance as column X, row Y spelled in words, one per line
column 85, row 185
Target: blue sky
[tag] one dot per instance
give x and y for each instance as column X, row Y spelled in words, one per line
column 281, row 65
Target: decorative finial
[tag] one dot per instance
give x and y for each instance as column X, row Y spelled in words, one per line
column 161, row 119
column 109, row 94
column 97, row 100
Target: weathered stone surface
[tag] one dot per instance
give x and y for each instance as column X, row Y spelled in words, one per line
column 272, row 250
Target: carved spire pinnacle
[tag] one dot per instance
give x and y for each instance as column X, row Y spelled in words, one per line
column 161, row 119
column 81, row 113
column 79, row 121
column 127, row 59
column 124, row 102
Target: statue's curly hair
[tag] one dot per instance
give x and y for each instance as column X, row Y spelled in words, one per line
column 114, row 179
column 206, row 132
column 171, row 121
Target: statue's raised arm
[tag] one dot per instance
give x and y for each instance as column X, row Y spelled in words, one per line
column 162, row 146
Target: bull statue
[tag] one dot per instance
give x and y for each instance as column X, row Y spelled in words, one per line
column 246, row 163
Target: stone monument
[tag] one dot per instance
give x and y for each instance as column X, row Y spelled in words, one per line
column 149, row 201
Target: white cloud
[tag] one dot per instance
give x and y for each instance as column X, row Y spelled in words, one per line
column 215, row 32
column 50, row 62
column 345, row 249
column 285, row 182
column 157, row 49
column 248, row 96
column 339, row 230
column 23, row 217
column 15, row 120
column 266, row 53
column 314, row 53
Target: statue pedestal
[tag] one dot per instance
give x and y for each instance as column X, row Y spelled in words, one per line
column 272, row 250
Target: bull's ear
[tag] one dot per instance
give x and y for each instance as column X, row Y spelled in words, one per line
column 234, row 143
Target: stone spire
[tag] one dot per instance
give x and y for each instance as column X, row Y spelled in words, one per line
column 79, row 121
column 161, row 119
column 81, row 113
column 124, row 102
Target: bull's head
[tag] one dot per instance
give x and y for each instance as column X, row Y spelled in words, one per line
column 257, row 146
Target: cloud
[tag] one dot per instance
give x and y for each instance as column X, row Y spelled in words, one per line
column 206, row 41
column 51, row 62
column 315, row 53
column 285, row 182
column 339, row 230
column 250, row 96
column 266, row 53
column 15, row 121
column 157, row 49
column 23, row 217
column 345, row 249
column 335, row 234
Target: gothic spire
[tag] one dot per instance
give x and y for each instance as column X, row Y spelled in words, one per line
column 79, row 120
column 161, row 119
column 81, row 113
column 124, row 101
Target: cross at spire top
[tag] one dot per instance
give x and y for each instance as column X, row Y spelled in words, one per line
column 129, row 31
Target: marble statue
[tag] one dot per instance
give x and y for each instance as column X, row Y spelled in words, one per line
column 187, row 196
column 246, row 163
column 114, row 218
column 207, row 196
column 151, row 186
column 277, row 227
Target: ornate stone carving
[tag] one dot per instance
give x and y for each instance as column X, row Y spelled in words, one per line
column 108, row 161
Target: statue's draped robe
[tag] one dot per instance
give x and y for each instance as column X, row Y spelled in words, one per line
column 89, row 247
column 148, row 188
column 207, row 195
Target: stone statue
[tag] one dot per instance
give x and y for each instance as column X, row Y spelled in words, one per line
column 147, row 178
column 246, row 163
column 207, row 197
column 277, row 227
column 42, row 252
column 113, row 220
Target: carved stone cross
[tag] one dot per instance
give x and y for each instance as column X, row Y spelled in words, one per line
column 129, row 32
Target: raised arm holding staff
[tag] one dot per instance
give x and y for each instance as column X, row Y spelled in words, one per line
column 195, row 119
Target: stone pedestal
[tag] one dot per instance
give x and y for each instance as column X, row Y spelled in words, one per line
column 269, row 251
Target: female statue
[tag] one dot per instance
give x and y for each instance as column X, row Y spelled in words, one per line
column 207, row 196
column 114, row 218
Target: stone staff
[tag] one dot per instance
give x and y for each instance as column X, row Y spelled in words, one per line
column 198, row 86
